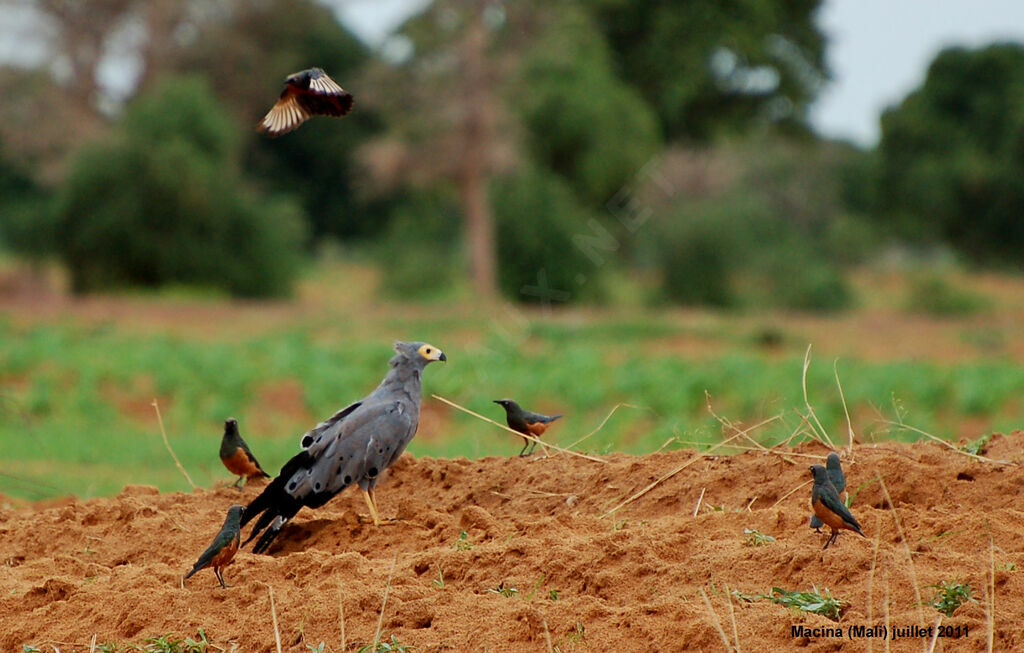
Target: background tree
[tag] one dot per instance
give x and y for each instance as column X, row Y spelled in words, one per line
column 246, row 54
column 951, row 155
column 164, row 203
column 709, row 66
column 446, row 125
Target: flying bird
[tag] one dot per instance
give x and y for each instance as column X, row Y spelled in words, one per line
column 526, row 422
column 829, row 508
column 353, row 446
column 306, row 94
column 225, row 545
column 835, row 474
column 235, row 454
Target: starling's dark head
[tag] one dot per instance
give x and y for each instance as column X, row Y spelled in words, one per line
column 818, row 472
column 507, row 404
column 235, row 512
column 832, row 462
column 231, row 425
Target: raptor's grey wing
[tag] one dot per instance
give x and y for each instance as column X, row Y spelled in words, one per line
column 362, row 446
column 327, row 427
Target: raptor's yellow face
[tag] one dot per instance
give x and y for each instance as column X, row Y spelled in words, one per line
column 431, row 353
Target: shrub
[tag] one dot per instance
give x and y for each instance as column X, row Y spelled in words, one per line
column 540, row 225
column 420, row 251
column 932, row 294
column 165, row 204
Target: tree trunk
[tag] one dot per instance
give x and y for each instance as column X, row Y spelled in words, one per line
column 477, row 128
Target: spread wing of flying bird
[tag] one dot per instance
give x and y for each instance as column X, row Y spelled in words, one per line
column 306, row 94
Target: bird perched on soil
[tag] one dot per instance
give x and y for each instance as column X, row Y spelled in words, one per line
column 225, row 545
column 355, row 445
column 235, row 454
column 835, row 474
column 829, row 508
column 306, row 94
column 524, row 421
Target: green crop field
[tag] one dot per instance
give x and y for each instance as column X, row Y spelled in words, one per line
column 76, row 393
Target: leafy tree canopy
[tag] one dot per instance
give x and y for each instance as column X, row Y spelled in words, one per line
column 952, row 153
column 706, row 66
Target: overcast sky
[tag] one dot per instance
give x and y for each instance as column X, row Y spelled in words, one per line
column 878, row 50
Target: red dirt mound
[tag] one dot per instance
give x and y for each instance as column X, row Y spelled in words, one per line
column 630, row 581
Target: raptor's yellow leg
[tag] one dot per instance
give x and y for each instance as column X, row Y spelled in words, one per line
column 371, row 504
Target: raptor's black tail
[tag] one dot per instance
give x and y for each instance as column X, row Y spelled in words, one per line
column 274, row 505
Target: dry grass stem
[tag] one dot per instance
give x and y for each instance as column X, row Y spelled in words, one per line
column 384, row 603
column 820, row 432
column 665, row 477
column 871, row 574
column 935, row 438
column 523, row 435
column 887, row 610
column 935, row 634
column 662, row 447
column 273, row 615
column 729, row 425
column 714, row 617
column 163, row 432
column 846, row 410
column 732, row 618
column 786, row 495
column 605, row 421
column 696, row 508
column 906, row 548
column 547, row 637
column 341, row 617
column 991, row 591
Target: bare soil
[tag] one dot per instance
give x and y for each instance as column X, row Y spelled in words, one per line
column 585, row 580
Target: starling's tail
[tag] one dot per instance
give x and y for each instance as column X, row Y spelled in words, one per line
column 274, row 505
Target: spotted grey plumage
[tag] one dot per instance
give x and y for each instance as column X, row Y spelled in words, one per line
column 353, row 446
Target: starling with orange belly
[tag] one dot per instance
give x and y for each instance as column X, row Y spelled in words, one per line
column 526, row 422
column 235, row 454
column 220, row 554
column 829, row 508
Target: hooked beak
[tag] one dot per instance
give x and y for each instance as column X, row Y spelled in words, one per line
column 443, row 358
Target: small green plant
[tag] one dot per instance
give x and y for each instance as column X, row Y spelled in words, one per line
column 822, row 603
column 463, row 543
column 536, row 586
column 319, row 648
column 619, row 525
column 107, row 647
column 383, row 646
column 554, row 595
column 439, row 582
column 163, row 644
column 977, row 447
column 577, row 634
column 756, row 537
column 1007, row 566
column 199, row 645
column 950, row 596
column 504, row 591
column 28, row 648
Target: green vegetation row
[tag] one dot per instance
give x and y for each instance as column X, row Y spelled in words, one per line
column 76, row 413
